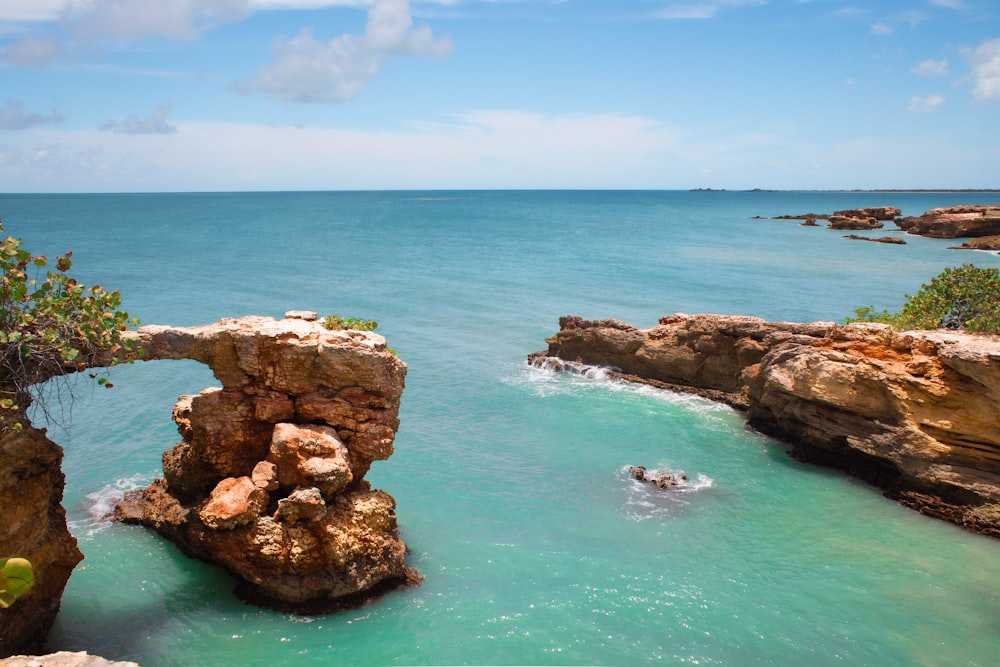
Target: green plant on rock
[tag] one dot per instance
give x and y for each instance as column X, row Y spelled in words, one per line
column 966, row 298
column 338, row 323
column 51, row 325
column 16, row 579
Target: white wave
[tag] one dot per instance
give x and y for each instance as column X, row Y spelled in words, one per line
column 100, row 503
column 645, row 499
column 550, row 375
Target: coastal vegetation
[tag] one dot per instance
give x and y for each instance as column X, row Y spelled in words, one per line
column 965, row 298
column 51, row 325
column 335, row 322
column 16, row 579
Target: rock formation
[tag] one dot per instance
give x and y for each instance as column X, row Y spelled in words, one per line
column 268, row 480
column 991, row 243
column 912, row 412
column 893, row 240
column 63, row 659
column 34, row 527
column 848, row 219
column 954, row 222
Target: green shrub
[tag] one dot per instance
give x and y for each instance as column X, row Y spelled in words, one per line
column 51, row 325
column 966, row 298
column 16, row 579
column 338, row 323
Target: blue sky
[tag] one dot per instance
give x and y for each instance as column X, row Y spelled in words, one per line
column 182, row 95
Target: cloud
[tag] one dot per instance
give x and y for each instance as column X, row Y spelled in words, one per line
column 925, row 104
column 308, row 70
column 931, row 68
column 154, row 123
column 481, row 148
column 32, row 52
column 949, row 4
column 881, row 29
column 985, row 63
column 14, row 117
column 31, row 10
column 701, row 10
column 135, row 19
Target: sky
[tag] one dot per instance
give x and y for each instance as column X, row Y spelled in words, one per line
column 234, row 95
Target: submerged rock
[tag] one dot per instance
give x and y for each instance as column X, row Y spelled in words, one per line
column 913, row 412
column 268, row 480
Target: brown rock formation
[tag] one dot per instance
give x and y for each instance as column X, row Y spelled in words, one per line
column 894, row 240
column 34, row 527
column 844, row 222
column 268, row 480
column 982, row 243
column 912, row 412
column 955, row 222
column 877, row 212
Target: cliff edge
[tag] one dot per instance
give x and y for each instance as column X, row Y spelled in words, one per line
column 915, row 413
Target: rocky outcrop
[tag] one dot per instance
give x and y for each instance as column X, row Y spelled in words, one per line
column 848, row 219
column 33, row 527
column 912, row 412
column 991, row 243
column 63, row 659
column 268, row 480
column 955, row 222
column 892, row 240
column 844, row 222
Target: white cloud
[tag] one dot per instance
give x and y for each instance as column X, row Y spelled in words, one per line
column 925, row 104
column 154, row 123
column 479, row 149
column 33, row 52
column 308, row 70
column 985, row 63
column 931, row 68
column 31, row 10
column 881, row 29
column 701, row 10
column 14, row 117
column 949, row 4
column 136, row 19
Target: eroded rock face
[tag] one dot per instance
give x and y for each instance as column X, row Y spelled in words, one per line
column 954, row 222
column 913, row 412
column 34, row 527
column 268, row 480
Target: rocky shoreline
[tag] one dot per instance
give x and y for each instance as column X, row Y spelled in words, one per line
column 913, row 413
column 966, row 221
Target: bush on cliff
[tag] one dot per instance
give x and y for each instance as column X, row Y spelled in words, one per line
column 50, row 325
column 966, row 298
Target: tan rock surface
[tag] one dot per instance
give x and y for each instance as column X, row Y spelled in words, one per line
column 268, row 480
column 913, row 412
column 955, row 222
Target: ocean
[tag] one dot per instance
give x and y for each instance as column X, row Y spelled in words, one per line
column 512, row 485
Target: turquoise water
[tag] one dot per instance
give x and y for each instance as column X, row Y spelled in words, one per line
column 511, row 482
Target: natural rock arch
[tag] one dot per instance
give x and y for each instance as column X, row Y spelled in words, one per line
column 268, row 480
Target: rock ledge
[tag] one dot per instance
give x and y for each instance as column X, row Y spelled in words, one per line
column 914, row 413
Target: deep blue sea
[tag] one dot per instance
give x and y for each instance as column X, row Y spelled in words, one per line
column 511, row 482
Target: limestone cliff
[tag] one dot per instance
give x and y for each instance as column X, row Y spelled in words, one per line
column 33, row 527
column 268, row 480
column 916, row 413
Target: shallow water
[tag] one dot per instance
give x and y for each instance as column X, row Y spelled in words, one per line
column 512, row 484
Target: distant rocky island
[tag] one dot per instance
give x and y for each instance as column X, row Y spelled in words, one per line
column 914, row 413
column 976, row 221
